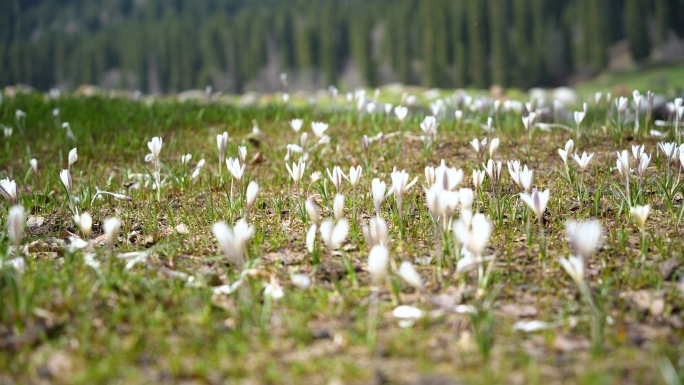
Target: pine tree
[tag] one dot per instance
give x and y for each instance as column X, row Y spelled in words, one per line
column 459, row 43
column 636, row 13
column 498, row 24
column 663, row 19
column 477, row 41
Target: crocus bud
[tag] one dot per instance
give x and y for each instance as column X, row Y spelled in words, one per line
column 430, row 177
column 466, row 197
column 376, row 233
column 311, row 238
column 312, row 211
column 640, row 214
column 409, row 274
column 65, row 176
column 493, row 146
column 378, row 189
column 355, row 175
column 584, row 237
column 85, row 223
column 73, row 156
column 8, row 189
column 338, row 207
column 111, row 228
column 15, row 225
column 378, row 259
column 401, row 112
column 242, row 154
column 336, row 177
column 252, row 194
column 478, row 178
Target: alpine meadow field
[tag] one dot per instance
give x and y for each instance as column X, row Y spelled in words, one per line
column 368, row 238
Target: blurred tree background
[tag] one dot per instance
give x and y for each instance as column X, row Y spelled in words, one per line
column 239, row 45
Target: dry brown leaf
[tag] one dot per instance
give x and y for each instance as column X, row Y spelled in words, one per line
column 567, row 344
column 518, row 310
column 34, row 222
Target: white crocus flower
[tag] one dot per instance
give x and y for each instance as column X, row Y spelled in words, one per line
column 378, row 189
column 296, row 124
column 84, row 222
column 401, row 185
column 8, row 189
column 640, row 214
column 222, row 144
column 355, row 175
column 584, row 237
column 378, row 260
column 514, row 171
column 564, row 153
column 242, row 154
column 65, row 177
column 536, row 201
column 493, row 170
column 336, row 177
column 111, row 227
column 429, row 176
column 583, row 161
column 621, row 104
column 251, row 195
column 233, row 242
column 458, row 114
column 623, row 164
column 334, row 235
column 473, row 232
column 401, row 112
column 155, row 146
column 479, row 146
column 493, row 146
column 429, row 127
column 235, row 168
column 376, row 232
column 319, row 128
column 574, row 266
column 448, row 177
column 409, row 274
column 312, row 211
column 198, row 168
column 478, row 177
column 466, row 198
column 311, row 238
column 669, row 149
column 525, row 178
column 296, row 172
column 638, row 151
column 15, row 225
column 338, row 207
column 73, row 157
column 274, row 290
column 643, row 162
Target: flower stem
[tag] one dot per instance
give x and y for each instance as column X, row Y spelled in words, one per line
column 350, row 269
column 542, row 246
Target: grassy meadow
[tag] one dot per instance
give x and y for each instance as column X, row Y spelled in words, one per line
column 474, row 287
